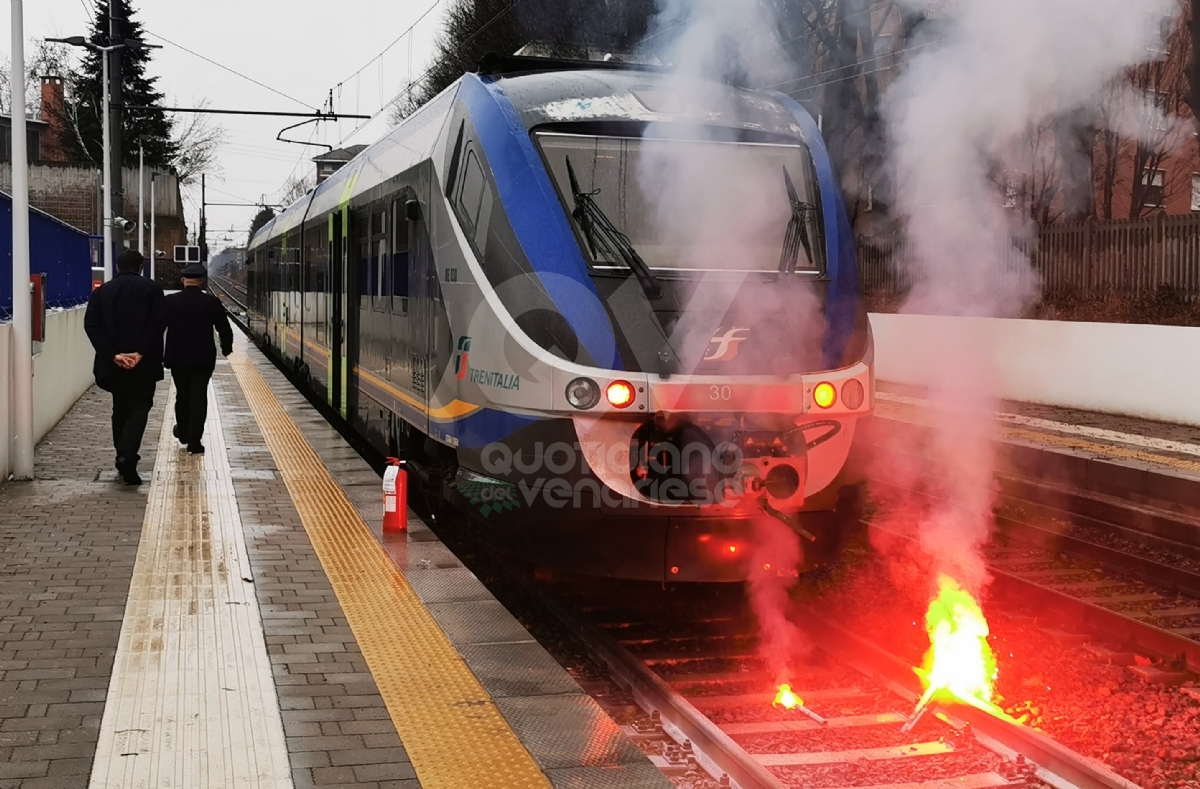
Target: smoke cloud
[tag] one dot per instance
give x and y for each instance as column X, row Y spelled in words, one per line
column 728, row 213
column 957, row 117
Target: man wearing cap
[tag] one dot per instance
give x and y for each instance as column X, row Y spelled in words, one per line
column 191, row 354
column 124, row 321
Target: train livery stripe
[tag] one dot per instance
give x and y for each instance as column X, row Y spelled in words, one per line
column 842, row 299
column 452, row 730
column 454, row 411
column 473, row 426
column 537, row 217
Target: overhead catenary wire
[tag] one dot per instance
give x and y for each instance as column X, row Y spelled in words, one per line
column 858, row 64
column 230, row 70
column 412, row 84
column 398, row 39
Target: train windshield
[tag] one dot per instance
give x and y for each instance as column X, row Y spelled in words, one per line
column 672, row 205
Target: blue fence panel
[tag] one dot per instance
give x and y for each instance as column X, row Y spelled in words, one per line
column 63, row 253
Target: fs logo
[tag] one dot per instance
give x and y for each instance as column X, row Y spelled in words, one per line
column 727, row 345
column 460, row 360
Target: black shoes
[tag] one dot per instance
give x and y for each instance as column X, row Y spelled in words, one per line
column 196, row 449
column 178, row 433
column 128, row 471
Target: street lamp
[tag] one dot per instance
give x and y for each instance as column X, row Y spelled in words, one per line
column 80, row 41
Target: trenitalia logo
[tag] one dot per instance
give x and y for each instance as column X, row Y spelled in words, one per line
column 460, row 360
column 727, row 345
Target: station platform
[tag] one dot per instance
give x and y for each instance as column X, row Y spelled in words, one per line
column 239, row 621
column 1134, row 459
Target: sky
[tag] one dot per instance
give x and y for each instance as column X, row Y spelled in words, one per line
column 301, row 48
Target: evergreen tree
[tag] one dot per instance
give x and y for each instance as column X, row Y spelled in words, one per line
column 264, row 215
column 137, row 88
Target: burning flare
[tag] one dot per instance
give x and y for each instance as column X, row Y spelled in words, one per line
column 959, row 665
column 786, row 699
column 960, row 661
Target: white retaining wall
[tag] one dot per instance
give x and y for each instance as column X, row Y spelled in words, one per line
column 1144, row 371
column 62, row 372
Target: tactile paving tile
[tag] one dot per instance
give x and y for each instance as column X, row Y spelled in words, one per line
column 478, row 622
column 191, row 702
column 614, row 776
column 568, row 731
column 517, row 670
column 450, row 727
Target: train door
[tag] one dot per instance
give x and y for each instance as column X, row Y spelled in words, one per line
column 422, row 287
column 351, row 304
column 337, row 314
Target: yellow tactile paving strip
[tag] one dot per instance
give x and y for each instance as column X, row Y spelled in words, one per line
column 927, row 418
column 453, row 733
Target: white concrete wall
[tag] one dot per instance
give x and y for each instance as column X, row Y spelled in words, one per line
column 62, row 372
column 1151, row 372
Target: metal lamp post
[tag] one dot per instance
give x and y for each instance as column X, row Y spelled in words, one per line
column 22, row 365
column 80, row 41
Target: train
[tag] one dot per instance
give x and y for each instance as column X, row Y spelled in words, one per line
column 610, row 312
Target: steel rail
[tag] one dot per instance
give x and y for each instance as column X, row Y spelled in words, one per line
column 1151, row 571
column 1058, row 763
column 655, row 695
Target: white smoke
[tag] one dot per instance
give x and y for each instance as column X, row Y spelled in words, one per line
column 720, row 209
column 993, row 71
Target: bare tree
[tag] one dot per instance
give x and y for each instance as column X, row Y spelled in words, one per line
column 295, row 187
column 42, row 59
column 197, row 141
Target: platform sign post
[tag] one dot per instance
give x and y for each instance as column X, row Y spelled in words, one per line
column 22, row 367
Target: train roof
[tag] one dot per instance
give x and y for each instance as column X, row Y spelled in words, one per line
column 541, row 98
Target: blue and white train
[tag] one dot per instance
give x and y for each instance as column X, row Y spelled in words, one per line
column 613, row 313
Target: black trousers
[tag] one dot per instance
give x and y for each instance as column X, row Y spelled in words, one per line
column 191, row 400
column 131, row 408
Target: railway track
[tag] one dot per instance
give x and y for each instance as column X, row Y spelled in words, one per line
column 685, row 678
column 1094, row 563
column 706, row 714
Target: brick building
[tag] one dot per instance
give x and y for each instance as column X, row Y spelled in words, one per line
column 73, row 191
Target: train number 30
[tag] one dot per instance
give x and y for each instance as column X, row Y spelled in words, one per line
column 720, row 393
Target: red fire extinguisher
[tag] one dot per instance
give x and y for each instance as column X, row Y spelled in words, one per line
column 395, row 497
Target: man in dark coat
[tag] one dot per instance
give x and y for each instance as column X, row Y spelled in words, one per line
column 124, row 322
column 191, row 354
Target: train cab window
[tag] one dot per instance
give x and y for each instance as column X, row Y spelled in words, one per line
column 470, row 196
column 399, row 258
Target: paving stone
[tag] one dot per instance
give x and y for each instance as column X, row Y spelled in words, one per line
column 68, row 541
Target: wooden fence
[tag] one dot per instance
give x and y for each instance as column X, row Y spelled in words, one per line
column 1131, row 257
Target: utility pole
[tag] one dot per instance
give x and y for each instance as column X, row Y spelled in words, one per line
column 141, row 200
column 153, row 254
column 115, row 38
column 22, row 365
column 202, row 241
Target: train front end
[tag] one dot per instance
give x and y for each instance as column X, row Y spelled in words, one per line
column 669, row 321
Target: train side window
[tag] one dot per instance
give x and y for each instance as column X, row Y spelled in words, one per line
column 399, row 258
column 470, row 197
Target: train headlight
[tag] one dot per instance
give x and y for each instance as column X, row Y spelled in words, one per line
column 825, row 395
column 853, row 394
column 619, row 394
column 583, row 393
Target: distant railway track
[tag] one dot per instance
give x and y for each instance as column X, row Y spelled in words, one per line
column 1087, row 568
column 229, row 290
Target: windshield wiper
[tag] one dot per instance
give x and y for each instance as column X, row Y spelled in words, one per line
column 605, row 240
column 797, row 229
